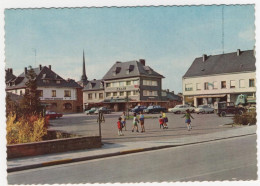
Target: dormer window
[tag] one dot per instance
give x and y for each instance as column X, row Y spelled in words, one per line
column 46, row 81
column 43, row 76
column 101, row 85
column 58, row 81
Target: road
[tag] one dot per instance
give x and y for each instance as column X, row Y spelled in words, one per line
column 229, row 159
column 82, row 124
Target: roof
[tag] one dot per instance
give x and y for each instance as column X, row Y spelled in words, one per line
column 223, row 63
column 94, row 85
column 130, row 69
column 9, row 75
column 42, row 74
column 171, row 97
column 14, row 97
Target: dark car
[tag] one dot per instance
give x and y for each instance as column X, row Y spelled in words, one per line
column 138, row 109
column 104, row 110
column 154, row 109
column 225, row 108
column 53, row 115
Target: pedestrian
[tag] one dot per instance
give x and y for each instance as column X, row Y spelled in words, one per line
column 119, row 126
column 188, row 117
column 161, row 121
column 123, row 121
column 141, row 118
column 135, row 121
column 165, row 120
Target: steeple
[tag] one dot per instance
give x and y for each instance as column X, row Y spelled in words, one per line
column 84, row 77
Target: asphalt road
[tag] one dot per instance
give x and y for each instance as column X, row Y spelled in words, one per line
column 82, row 124
column 230, row 159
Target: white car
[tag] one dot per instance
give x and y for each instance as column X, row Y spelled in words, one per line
column 204, row 109
column 178, row 109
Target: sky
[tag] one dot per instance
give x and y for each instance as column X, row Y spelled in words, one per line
column 168, row 38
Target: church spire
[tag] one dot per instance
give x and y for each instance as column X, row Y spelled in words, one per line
column 84, row 77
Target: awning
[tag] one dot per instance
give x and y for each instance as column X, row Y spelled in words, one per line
column 211, row 96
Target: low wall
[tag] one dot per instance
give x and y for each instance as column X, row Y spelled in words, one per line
column 52, row 146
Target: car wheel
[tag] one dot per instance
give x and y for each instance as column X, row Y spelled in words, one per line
column 223, row 114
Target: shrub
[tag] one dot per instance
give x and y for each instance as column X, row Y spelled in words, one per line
column 245, row 118
column 24, row 130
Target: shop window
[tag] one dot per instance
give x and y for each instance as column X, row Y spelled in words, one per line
column 223, row 84
column 67, row 106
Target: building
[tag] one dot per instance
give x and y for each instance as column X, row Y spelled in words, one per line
column 93, row 94
column 220, row 78
column 58, row 94
column 171, row 99
column 132, row 83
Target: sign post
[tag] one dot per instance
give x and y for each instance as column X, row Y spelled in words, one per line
column 100, row 119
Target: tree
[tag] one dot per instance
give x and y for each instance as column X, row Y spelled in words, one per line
column 30, row 103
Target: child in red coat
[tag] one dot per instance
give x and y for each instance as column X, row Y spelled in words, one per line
column 161, row 121
column 119, row 126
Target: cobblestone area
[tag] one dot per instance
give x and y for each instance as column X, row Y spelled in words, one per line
column 87, row 125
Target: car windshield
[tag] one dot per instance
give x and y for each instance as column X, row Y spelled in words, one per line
column 150, row 107
column 136, row 107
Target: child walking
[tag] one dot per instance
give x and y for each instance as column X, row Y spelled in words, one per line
column 187, row 116
column 119, row 126
column 165, row 120
column 161, row 121
column 142, row 121
column 135, row 121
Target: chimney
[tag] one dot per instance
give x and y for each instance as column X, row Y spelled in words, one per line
column 50, row 67
column 40, row 66
column 25, row 70
column 238, row 52
column 142, row 61
column 11, row 70
column 94, row 79
column 204, row 57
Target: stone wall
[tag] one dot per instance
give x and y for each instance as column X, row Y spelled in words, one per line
column 52, row 146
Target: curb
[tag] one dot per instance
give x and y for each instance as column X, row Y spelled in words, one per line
column 131, row 151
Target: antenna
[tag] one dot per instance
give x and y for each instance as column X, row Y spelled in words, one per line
column 223, row 36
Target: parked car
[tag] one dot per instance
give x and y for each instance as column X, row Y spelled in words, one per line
column 91, row 111
column 224, row 108
column 178, row 109
column 204, row 109
column 104, row 110
column 138, row 109
column 154, row 109
column 53, row 115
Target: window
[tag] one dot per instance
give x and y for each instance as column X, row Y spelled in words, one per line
column 188, row 87
column 251, row 82
column 67, row 106
column 145, row 92
column 46, row 81
column 100, row 95
column 121, row 83
column 114, row 93
column 135, row 82
column 121, row 93
column 128, row 93
column 206, row 86
column 145, row 82
column 198, row 86
column 223, row 84
column 58, row 81
column 108, row 94
column 115, row 84
column 155, row 93
column 242, row 83
column 95, row 95
column 108, row 84
column 135, row 92
column 40, row 93
column 53, row 93
column 232, row 84
column 150, row 93
column 128, row 83
column 154, row 83
column 90, row 96
column 67, row 93
column 215, row 85
column 21, row 92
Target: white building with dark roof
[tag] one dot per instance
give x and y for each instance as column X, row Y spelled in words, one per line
column 132, row 83
column 59, row 94
column 220, row 78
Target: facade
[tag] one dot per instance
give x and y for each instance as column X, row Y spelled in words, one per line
column 220, row 78
column 93, row 94
column 132, row 83
column 56, row 93
column 171, row 99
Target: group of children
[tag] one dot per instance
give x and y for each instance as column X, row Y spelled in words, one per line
column 121, row 123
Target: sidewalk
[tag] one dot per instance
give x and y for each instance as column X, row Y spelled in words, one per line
column 115, row 149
